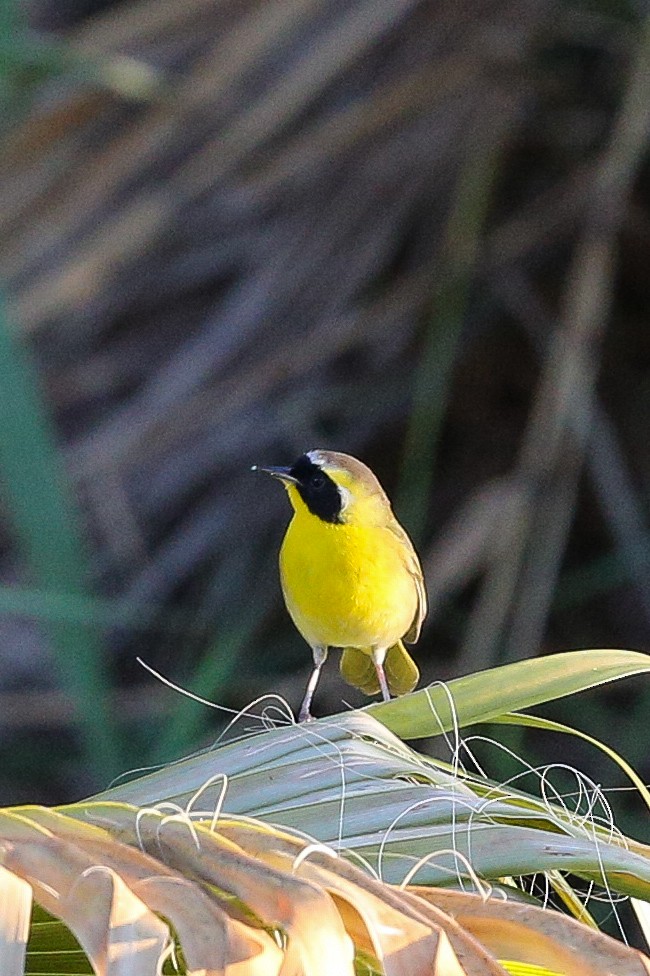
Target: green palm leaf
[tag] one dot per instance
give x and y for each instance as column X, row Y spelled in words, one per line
column 179, row 859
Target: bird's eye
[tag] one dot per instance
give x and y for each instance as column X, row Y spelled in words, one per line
column 317, row 480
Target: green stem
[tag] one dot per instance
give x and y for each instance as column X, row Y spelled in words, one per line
column 444, row 326
column 43, row 512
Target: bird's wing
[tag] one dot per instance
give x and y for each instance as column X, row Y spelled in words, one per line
column 413, row 565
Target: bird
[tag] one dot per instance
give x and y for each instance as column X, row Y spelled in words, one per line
column 350, row 576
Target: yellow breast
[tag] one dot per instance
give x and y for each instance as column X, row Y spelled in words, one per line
column 346, row 585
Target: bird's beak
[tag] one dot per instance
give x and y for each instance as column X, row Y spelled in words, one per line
column 283, row 474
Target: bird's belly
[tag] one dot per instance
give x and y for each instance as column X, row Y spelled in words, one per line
column 346, row 586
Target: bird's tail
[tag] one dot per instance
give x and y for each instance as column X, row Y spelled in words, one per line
column 358, row 669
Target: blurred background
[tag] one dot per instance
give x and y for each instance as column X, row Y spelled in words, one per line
column 233, row 230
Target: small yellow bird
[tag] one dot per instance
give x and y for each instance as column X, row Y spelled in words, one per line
column 350, row 576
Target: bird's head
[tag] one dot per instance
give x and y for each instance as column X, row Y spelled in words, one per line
column 333, row 487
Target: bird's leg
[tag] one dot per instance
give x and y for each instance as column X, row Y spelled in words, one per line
column 320, row 654
column 378, row 656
